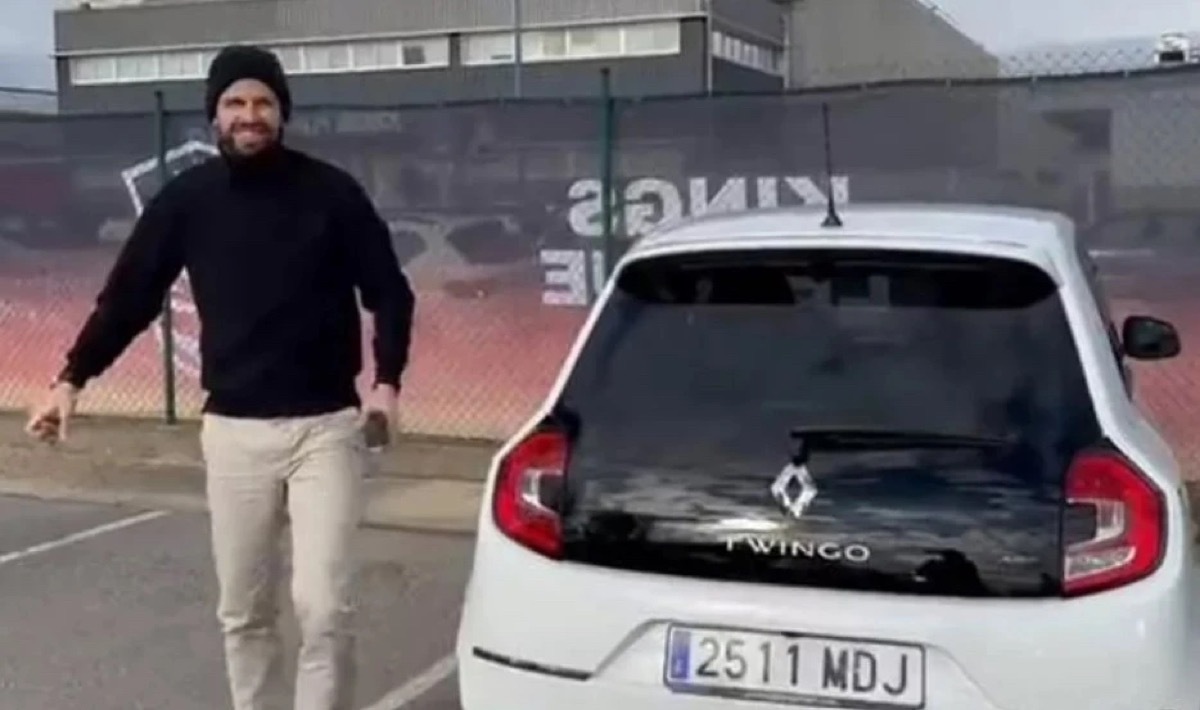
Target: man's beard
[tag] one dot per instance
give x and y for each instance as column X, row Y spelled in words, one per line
column 227, row 144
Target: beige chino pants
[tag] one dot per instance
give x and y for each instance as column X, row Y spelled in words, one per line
column 312, row 469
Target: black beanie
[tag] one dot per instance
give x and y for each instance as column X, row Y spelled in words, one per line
column 236, row 62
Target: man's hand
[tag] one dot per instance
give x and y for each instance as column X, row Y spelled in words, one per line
column 383, row 400
column 48, row 421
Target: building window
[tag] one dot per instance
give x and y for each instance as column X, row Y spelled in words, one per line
column 325, row 58
column 413, row 54
column 435, row 51
column 93, row 70
column 545, row 45
column 575, row 43
column 137, row 67
column 181, row 65
column 206, row 60
column 747, row 54
column 376, row 55
column 541, row 45
column 594, row 42
column 290, row 57
column 652, row 38
column 488, row 49
column 299, row 58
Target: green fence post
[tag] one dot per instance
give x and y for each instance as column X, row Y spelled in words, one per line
column 168, row 330
column 607, row 147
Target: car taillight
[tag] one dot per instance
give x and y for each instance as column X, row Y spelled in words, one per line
column 528, row 490
column 1127, row 524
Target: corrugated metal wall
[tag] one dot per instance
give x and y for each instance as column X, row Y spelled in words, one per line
column 840, row 41
column 218, row 22
column 763, row 18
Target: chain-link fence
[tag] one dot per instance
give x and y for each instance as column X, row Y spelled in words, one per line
column 496, row 207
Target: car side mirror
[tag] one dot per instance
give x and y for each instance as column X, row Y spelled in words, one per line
column 1149, row 338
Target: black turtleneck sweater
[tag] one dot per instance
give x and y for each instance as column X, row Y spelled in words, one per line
column 274, row 248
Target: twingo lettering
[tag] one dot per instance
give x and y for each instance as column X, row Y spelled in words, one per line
column 645, row 203
column 810, row 549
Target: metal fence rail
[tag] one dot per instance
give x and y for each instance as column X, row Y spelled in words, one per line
column 25, row 100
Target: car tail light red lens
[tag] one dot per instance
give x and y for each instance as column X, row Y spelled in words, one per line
column 528, row 490
column 1129, row 529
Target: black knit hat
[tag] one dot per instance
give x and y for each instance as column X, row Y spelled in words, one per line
column 236, row 62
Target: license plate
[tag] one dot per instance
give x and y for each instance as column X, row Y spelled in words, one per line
column 842, row 672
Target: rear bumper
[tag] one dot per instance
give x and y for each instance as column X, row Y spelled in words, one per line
column 565, row 635
column 490, row 685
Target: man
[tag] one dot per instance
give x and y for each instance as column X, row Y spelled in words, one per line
column 275, row 244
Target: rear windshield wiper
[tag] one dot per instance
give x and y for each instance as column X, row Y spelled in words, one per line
column 863, row 437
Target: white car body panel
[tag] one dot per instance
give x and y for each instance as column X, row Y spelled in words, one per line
column 595, row 637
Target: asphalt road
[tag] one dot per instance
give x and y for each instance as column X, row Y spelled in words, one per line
column 109, row 608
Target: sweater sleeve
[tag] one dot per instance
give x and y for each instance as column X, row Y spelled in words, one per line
column 132, row 295
column 385, row 290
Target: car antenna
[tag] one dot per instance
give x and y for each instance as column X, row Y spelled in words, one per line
column 831, row 216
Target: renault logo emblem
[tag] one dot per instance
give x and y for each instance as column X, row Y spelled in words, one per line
column 794, row 489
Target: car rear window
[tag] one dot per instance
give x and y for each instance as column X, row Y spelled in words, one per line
column 942, row 342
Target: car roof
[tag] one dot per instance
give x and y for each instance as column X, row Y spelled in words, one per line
column 963, row 224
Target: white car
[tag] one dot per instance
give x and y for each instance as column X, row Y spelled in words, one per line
column 888, row 464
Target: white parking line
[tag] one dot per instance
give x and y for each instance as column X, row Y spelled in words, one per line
column 80, row 536
column 417, row 686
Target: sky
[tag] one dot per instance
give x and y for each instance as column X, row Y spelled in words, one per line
column 27, row 33
column 26, row 42
column 1007, row 25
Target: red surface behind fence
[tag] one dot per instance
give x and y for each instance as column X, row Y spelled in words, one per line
column 480, row 366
